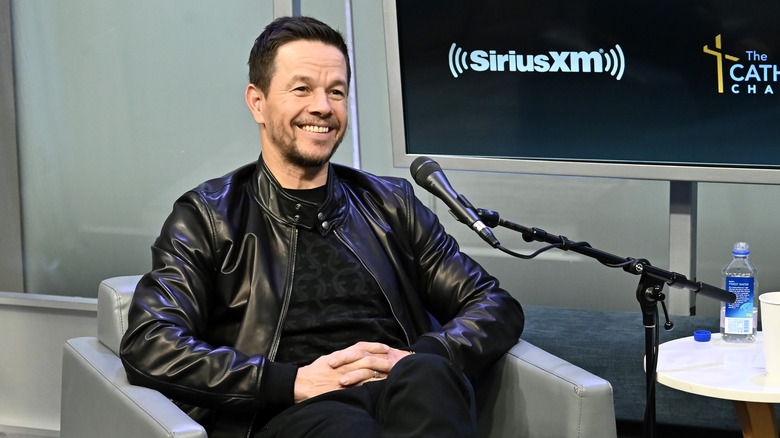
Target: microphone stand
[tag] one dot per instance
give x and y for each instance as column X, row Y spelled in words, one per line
column 648, row 292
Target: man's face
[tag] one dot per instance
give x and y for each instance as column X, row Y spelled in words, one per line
column 304, row 116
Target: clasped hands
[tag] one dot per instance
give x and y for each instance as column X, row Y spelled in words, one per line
column 352, row 366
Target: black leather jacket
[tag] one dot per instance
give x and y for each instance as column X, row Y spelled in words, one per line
column 205, row 323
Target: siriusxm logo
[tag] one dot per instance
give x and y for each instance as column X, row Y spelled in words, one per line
column 612, row 62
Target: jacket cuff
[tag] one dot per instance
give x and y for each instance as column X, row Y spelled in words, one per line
column 278, row 384
column 430, row 345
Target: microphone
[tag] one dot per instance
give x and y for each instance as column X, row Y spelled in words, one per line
column 428, row 175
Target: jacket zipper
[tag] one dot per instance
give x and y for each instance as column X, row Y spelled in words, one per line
column 287, row 295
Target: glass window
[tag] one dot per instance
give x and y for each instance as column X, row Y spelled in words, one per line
column 121, row 107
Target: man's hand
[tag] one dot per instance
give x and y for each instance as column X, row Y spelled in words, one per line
column 352, row 366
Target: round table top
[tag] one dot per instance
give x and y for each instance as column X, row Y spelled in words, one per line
column 718, row 369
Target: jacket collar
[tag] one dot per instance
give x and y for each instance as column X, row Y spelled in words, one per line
column 298, row 212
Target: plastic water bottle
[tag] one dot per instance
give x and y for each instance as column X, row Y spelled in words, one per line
column 738, row 321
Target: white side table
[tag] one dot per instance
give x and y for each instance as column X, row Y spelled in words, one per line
column 722, row 370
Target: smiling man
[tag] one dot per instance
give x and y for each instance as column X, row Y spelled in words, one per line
column 302, row 112
column 298, row 298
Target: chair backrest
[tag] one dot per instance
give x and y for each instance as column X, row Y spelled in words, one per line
column 114, row 295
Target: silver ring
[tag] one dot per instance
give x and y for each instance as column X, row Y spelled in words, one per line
column 376, row 374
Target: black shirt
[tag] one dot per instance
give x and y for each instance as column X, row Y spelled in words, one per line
column 335, row 301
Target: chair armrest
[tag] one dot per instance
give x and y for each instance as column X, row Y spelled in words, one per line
column 114, row 297
column 531, row 393
column 98, row 401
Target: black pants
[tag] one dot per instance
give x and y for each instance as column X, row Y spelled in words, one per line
column 423, row 396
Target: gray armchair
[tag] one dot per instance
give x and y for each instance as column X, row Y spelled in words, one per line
column 528, row 393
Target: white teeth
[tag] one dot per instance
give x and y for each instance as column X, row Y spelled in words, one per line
column 312, row 128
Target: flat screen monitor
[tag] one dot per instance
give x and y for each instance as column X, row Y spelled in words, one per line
column 682, row 90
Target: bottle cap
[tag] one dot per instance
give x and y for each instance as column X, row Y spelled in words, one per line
column 702, row 335
column 741, row 248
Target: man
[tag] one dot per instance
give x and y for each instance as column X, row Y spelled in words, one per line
column 289, row 297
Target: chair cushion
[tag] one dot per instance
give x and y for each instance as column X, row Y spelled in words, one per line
column 114, row 295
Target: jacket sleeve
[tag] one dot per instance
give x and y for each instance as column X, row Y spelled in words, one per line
column 479, row 320
column 165, row 346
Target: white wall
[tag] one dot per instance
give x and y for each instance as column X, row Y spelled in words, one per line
column 35, row 328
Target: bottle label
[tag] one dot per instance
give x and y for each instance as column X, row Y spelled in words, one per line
column 739, row 315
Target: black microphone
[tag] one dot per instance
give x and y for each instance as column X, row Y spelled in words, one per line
column 428, row 175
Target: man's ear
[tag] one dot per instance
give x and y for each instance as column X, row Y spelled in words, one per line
column 255, row 100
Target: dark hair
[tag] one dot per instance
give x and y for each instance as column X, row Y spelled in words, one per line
column 285, row 30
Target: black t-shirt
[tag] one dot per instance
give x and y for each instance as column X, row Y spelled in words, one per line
column 335, row 301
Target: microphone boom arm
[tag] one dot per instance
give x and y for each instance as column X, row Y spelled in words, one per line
column 630, row 265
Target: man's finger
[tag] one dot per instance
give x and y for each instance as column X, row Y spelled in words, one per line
column 356, row 353
column 358, row 377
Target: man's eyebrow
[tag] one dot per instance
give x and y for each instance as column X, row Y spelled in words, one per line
column 308, row 79
column 299, row 78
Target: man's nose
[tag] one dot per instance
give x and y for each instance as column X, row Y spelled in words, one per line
column 321, row 104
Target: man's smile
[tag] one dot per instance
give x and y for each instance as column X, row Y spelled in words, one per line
column 315, row 128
